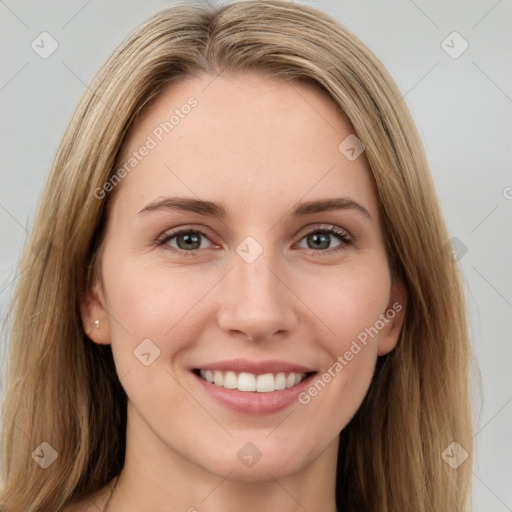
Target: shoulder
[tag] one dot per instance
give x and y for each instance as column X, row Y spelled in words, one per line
column 92, row 503
column 80, row 506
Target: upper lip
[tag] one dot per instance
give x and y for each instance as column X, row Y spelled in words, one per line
column 255, row 367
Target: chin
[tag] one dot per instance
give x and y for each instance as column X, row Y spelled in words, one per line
column 260, row 460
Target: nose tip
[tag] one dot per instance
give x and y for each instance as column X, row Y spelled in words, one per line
column 255, row 302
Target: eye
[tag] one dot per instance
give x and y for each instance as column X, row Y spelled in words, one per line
column 320, row 239
column 185, row 241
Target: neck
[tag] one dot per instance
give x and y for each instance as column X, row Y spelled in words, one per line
column 156, row 477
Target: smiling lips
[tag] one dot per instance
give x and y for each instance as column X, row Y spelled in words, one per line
column 253, row 387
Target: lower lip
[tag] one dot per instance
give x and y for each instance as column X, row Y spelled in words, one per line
column 254, row 403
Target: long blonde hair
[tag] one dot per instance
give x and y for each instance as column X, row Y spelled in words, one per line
column 63, row 389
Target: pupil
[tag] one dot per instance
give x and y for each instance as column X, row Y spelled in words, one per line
column 190, row 239
column 321, row 238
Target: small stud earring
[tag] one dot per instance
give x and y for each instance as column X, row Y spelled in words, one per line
column 96, row 324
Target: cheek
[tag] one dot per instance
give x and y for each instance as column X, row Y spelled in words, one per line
column 349, row 301
column 351, row 307
column 151, row 301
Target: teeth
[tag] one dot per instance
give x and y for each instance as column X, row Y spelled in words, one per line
column 265, row 383
column 280, row 381
column 230, row 380
column 244, row 381
column 218, row 378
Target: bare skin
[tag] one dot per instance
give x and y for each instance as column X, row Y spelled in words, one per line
column 259, row 147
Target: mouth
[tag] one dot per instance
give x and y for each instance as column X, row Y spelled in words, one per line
column 253, row 387
column 252, row 382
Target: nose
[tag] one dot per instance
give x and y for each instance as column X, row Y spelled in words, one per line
column 256, row 301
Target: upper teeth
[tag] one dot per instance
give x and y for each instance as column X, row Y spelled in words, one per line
column 249, row 382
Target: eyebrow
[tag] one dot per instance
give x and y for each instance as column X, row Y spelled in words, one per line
column 212, row 209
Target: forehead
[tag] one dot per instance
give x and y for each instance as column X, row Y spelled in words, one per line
column 263, row 139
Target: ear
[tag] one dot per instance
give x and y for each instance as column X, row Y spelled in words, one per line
column 95, row 318
column 393, row 318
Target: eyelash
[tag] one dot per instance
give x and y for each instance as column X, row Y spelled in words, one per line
column 342, row 236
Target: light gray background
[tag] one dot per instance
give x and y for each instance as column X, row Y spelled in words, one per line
column 462, row 108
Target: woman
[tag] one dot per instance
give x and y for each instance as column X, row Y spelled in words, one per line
column 238, row 293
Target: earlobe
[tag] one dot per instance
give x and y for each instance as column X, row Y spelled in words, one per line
column 393, row 318
column 94, row 315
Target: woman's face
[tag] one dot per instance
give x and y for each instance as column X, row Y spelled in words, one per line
column 267, row 283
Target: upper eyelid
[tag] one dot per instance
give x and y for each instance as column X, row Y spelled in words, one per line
column 171, row 233
column 323, row 227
